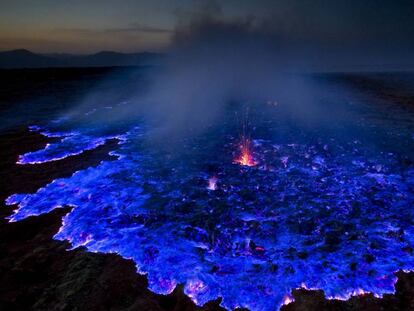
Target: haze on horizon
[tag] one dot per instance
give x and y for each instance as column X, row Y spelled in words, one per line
column 347, row 32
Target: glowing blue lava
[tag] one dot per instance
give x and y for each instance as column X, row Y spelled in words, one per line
column 326, row 215
column 71, row 144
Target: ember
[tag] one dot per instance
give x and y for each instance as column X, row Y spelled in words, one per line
column 246, row 157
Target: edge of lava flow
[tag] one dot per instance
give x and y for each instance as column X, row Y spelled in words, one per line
column 310, row 227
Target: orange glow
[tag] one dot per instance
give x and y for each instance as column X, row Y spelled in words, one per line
column 246, row 157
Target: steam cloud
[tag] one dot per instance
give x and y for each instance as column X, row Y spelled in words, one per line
column 215, row 61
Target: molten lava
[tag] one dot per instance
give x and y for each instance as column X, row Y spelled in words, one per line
column 212, row 183
column 246, row 156
column 287, row 300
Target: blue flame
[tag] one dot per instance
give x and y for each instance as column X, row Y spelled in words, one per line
column 329, row 215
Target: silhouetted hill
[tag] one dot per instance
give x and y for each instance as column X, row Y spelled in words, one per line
column 27, row 59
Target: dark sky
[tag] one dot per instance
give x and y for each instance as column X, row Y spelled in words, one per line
column 79, row 26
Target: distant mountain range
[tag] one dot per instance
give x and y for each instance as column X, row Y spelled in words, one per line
column 27, row 59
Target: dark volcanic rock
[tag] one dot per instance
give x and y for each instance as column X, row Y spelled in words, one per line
column 39, row 273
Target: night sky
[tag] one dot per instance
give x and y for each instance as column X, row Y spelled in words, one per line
column 79, row 26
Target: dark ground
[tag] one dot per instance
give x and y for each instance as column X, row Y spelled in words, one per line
column 38, row 273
